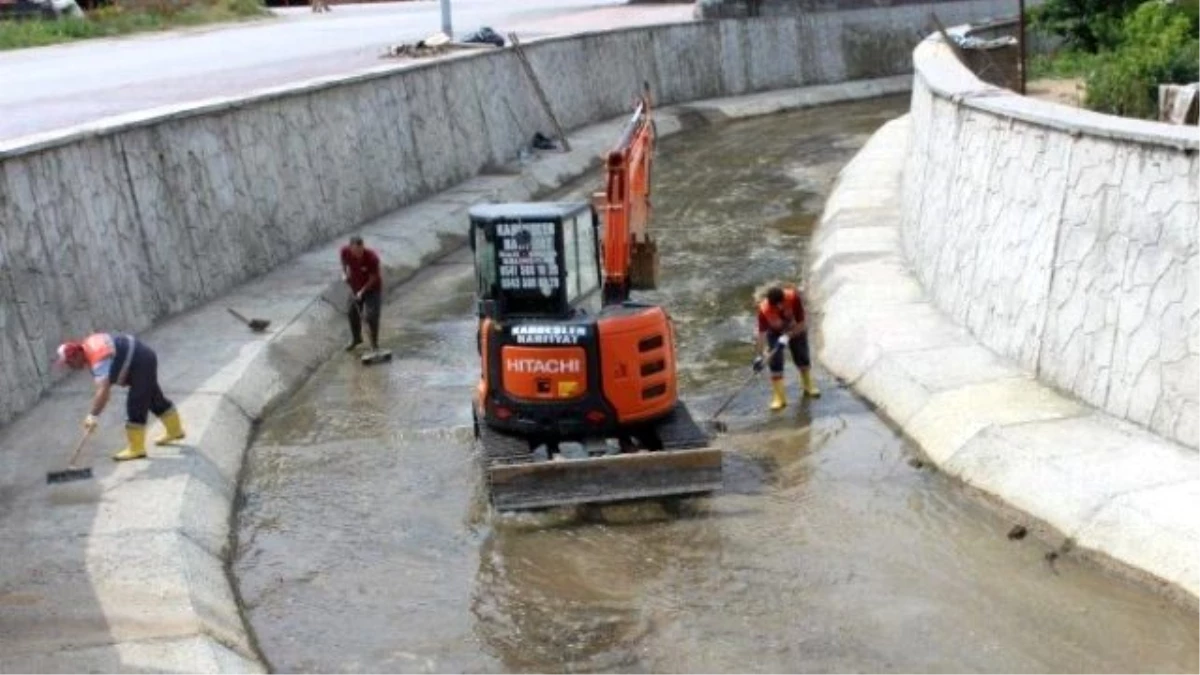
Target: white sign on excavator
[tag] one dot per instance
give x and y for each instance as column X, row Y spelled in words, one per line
column 548, row 335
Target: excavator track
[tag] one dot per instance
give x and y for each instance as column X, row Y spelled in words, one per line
column 518, row 479
column 679, row 431
column 500, row 449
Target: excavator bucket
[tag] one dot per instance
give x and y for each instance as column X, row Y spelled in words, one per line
column 687, row 464
column 643, row 265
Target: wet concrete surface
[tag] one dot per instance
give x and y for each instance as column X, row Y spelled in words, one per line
column 363, row 544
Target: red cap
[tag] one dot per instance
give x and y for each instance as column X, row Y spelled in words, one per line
column 66, row 351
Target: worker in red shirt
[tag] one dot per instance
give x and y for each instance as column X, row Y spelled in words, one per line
column 360, row 269
column 781, row 324
column 126, row 362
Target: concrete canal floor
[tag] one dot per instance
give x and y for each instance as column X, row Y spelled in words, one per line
column 362, row 544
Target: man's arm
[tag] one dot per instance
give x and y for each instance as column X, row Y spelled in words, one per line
column 798, row 311
column 345, row 266
column 101, row 376
column 375, row 280
column 760, row 339
column 100, row 397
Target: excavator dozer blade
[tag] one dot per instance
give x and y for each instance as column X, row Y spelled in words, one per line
column 610, row 478
column 683, row 462
column 643, row 265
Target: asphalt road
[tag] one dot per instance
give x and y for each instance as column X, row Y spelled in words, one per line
column 48, row 88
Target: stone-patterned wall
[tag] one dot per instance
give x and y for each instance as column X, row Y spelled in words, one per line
column 1063, row 239
column 121, row 225
column 947, row 10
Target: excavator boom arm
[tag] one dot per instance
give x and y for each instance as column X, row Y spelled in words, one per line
column 630, row 256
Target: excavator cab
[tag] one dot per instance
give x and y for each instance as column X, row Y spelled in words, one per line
column 537, row 268
column 536, row 260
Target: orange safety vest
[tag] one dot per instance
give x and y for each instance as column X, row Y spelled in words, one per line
column 100, row 346
column 782, row 318
column 97, row 347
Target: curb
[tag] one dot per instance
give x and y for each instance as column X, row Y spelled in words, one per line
column 1122, row 496
column 191, row 620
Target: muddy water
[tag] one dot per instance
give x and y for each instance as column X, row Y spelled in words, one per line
column 363, row 547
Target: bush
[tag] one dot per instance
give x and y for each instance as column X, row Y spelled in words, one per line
column 1157, row 46
column 1190, row 8
column 1061, row 65
column 1182, row 67
column 1087, row 25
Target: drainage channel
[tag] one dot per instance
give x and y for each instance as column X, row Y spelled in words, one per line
column 363, row 545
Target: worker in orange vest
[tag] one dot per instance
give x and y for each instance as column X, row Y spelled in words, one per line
column 126, row 362
column 781, row 325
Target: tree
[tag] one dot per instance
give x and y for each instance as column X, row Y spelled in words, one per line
column 1087, row 25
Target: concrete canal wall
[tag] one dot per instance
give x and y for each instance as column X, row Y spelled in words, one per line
column 917, row 10
column 987, row 267
column 127, row 221
column 1064, row 239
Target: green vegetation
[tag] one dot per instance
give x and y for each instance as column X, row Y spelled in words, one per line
column 1122, row 49
column 1085, row 25
column 122, row 18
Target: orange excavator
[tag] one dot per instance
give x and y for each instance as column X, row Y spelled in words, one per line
column 577, row 400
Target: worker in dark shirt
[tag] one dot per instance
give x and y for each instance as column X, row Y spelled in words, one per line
column 781, row 324
column 360, row 270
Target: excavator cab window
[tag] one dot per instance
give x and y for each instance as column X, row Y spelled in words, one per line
column 581, row 259
column 535, row 260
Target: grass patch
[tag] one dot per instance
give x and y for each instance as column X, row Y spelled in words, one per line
column 124, row 19
column 1061, row 66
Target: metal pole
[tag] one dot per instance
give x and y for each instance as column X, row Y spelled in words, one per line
column 537, row 89
column 446, row 28
column 1021, row 43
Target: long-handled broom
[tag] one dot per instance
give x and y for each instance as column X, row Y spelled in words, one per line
column 719, row 426
column 71, row 473
column 377, row 355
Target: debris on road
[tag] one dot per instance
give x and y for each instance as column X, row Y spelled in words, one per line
column 486, row 36
column 1017, row 532
column 434, row 45
column 440, row 43
column 542, row 142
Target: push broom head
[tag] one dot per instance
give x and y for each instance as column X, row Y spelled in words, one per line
column 377, row 356
column 69, row 475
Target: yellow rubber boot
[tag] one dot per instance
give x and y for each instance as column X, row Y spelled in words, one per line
column 810, row 387
column 174, row 432
column 136, row 434
column 779, row 400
